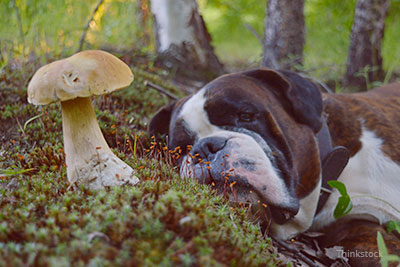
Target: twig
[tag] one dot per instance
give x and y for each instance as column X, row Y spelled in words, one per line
column 254, row 32
column 21, row 31
column 20, row 126
column 29, row 121
column 83, row 36
column 22, row 130
column 296, row 252
column 160, row 89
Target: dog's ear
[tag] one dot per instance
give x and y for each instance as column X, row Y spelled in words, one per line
column 159, row 124
column 303, row 98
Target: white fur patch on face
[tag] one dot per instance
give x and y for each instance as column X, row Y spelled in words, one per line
column 195, row 116
column 369, row 176
column 303, row 219
column 244, row 159
column 262, row 172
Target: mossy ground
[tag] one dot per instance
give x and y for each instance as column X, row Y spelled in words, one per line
column 164, row 220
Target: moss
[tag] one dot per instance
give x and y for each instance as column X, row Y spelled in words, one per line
column 164, row 220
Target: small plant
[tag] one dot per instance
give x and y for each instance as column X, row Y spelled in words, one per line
column 383, row 252
column 11, row 172
column 393, row 226
column 344, row 204
column 365, row 73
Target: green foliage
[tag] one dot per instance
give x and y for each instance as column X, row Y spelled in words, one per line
column 125, row 24
column 12, row 172
column 328, row 25
column 228, row 23
column 383, row 252
column 393, row 226
column 365, row 74
column 56, row 26
column 344, row 204
column 390, row 48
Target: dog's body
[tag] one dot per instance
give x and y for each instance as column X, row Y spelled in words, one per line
column 262, row 135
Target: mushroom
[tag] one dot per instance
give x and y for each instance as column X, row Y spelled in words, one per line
column 73, row 81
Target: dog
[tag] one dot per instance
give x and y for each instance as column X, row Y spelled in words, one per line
column 271, row 138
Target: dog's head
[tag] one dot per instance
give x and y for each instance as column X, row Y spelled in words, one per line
column 252, row 135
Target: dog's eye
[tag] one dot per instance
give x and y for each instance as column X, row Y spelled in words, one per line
column 246, row 117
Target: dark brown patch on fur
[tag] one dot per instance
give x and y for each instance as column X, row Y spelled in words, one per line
column 378, row 110
column 359, row 236
column 305, row 156
column 343, row 125
column 308, row 165
column 300, row 148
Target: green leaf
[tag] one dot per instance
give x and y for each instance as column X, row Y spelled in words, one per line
column 381, row 245
column 393, row 225
column 391, row 257
column 344, row 204
column 135, row 145
column 339, row 186
column 343, row 207
column 31, row 119
column 383, row 252
column 10, row 172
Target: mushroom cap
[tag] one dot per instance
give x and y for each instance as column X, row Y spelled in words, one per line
column 87, row 73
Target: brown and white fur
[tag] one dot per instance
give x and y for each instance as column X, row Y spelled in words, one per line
column 255, row 133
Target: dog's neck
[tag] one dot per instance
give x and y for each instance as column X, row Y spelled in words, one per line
column 333, row 161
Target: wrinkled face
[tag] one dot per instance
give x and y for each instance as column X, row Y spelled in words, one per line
column 238, row 136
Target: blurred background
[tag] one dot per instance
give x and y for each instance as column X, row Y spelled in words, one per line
column 32, row 28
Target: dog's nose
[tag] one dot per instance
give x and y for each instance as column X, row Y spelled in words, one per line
column 206, row 148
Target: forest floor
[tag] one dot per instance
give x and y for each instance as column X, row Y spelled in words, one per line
column 164, row 220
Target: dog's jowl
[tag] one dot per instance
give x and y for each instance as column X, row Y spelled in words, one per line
column 270, row 138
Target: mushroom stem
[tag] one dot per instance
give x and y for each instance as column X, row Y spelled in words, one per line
column 89, row 159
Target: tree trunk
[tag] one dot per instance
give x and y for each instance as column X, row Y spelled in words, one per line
column 284, row 34
column 364, row 59
column 182, row 40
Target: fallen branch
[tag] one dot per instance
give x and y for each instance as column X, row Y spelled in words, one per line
column 160, row 89
column 83, row 36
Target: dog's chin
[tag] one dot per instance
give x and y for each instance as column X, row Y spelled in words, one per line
column 243, row 172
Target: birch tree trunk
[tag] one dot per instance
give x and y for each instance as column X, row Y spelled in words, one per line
column 284, row 34
column 364, row 59
column 182, row 39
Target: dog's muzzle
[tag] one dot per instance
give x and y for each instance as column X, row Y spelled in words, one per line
column 235, row 164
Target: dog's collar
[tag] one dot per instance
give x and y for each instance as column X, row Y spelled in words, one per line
column 333, row 161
